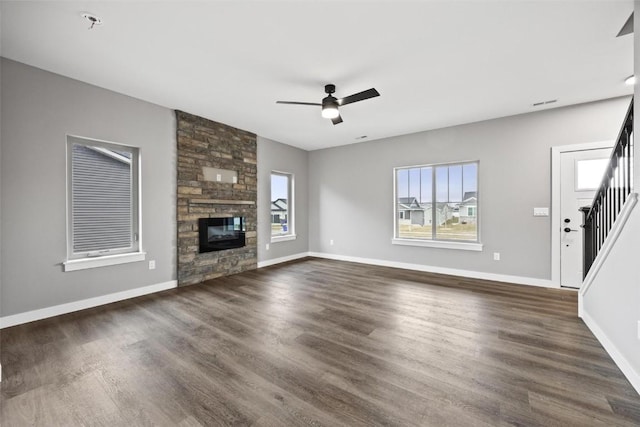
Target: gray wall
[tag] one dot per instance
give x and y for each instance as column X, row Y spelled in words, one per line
column 284, row 158
column 38, row 110
column 351, row 187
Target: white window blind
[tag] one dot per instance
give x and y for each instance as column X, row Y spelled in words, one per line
column 103, row 198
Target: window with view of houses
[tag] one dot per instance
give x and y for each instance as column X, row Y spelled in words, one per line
column 281, row 206
column 437, row 202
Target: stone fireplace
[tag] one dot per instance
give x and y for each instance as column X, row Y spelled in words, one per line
column 217, row 178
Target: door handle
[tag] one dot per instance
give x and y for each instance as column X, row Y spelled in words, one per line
column 567, row 230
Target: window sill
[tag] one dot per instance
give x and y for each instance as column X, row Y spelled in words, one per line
column 103, row 261
column 276, row 239
column 464, row 246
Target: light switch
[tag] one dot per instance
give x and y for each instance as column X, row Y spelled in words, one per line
column 540, row 211
column 218, row 177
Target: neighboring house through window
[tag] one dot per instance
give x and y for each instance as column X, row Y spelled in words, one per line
column 103, row 203
column 282, row 220
column 437, row 205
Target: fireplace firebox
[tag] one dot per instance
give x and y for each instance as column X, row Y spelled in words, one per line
column 218, row 234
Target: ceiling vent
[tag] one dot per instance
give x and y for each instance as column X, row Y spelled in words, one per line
column 551, row 101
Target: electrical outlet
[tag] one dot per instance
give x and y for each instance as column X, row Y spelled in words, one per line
column 152, row 264
column 639, row 329
column 496, row 256
column 331, row 242
column 267, row 245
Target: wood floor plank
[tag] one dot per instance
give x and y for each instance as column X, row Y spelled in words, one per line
column 323, row 343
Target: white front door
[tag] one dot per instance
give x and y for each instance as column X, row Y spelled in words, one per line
column 580, row 174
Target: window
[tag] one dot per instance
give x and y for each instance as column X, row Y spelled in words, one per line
column 103, row 203
column 282, row 220
column 437, row 205
column 589, row 173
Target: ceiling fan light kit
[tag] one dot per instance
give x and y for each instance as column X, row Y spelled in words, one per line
column 330, row 103
column 330, row 108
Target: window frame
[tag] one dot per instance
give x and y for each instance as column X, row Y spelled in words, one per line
column 472, row 245
column 290, row 234
column 90, row 259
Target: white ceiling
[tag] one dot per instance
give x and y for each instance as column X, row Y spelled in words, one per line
column 435, row 63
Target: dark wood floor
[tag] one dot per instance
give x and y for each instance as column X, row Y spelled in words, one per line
column 318, row 342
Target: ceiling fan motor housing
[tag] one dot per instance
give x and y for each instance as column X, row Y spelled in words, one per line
column 330, row 102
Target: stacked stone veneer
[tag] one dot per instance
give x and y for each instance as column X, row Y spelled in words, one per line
column 204, row 143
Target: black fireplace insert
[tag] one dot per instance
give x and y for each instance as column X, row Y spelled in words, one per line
column 218, row 234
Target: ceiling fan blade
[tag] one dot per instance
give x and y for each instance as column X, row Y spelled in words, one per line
column 360, row 96
column 299, row 103
column 337, row 120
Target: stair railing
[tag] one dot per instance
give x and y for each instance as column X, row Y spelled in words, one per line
column 615, row 189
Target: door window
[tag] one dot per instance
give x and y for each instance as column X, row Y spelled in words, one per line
column 589, row 173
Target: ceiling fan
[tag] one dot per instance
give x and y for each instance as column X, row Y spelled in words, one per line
column 330, row 103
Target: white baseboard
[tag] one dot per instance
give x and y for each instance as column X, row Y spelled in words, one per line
column 624, row 365
column 282, row 259
column 580, row 305
column 545, row 283
column 43, row 313
column 519, row 280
